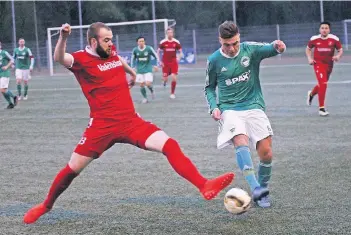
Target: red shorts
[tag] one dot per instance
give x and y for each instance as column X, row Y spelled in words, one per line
column 101, row 134
column 322, row 70
column 170, row 68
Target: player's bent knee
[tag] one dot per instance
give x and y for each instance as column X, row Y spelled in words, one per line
column 156, row 141
column 267, row 154
column 240, row 140
column 78, row 162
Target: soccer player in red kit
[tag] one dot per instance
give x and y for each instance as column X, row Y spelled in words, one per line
column 101, row 74
column 170, row 60
column 324, row 46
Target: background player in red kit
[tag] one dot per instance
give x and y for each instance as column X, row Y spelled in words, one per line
column 101, row 74
column 323, row 59
column 170, row 60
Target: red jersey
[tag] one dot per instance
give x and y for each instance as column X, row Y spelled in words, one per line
column 324, row 48
column 169, row 50
column 104, row 84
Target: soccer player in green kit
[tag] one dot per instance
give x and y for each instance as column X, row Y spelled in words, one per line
column 234, row 69
column 24, row 66
column 142, row 55
column 6, row 61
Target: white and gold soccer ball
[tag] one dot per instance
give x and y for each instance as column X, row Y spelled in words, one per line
column 237, row 201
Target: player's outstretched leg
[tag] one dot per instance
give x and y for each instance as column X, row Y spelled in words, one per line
column 243, row 157
column 61, row 182
column 209, row 189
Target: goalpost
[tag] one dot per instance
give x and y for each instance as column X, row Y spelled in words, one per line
column 56, row 30
column 346, row 35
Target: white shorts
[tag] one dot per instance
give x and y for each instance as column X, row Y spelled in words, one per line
column 252, row 123
column 4, row 82
column 23, row 74
column 145, row 77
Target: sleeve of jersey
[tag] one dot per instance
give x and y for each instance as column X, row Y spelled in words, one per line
column 179, row 47
column 264, row 50
column 338, row 45
column 210, row 87
column 310, row 44
column 31, row 58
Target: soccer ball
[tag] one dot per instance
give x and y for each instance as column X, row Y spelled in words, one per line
column 237, row 201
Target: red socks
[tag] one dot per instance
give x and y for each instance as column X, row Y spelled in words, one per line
column 173, row 86
column 315, row 90
column 181, row 164
column 61, row 182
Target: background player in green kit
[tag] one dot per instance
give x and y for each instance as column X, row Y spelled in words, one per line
column 141, row 58
column 6, row 61
column 234, row 69
column 24, row 66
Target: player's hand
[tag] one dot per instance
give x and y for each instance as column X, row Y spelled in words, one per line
column 311, row 61
column 131, row 82
column 155, row 68
column 65, row 30
column 336, row 58
column 30, row 69
column 216, row 114
column 4, row 68
column 162, row 64
column 279, row 46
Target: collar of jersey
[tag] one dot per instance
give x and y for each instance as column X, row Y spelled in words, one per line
column 142, row 49
column 227, row 56
column 21, row 49
column 90, row 51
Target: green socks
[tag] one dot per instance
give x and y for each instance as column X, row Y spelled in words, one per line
column 25, row 89
column 143, row 91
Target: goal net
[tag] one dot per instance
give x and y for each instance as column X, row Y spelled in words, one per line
column 125, row 34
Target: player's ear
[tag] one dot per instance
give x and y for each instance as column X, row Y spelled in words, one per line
column 220, row 40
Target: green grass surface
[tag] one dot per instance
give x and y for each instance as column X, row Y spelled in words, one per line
column 131, row 191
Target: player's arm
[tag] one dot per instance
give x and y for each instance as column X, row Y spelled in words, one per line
column 155, row 55
column 308, row 52
column 210, row 90
column 266, row 50
column 159, row 55
column 11, row 61
column 180, row 54
column 128, row 70
column 132, row 59
column 60, row 54
column 31, row 59
column 339, row 50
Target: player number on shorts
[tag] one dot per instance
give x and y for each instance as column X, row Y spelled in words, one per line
column 82, row 140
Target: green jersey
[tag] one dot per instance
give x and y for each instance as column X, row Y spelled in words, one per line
column 143, row 59
column 237, row 78
column 24, row 58
column 5, row 58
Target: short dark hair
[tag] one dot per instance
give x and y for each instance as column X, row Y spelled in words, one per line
column 140, row 37
column 94, row 29
column 228, row 29
column 325, row 22
column 20, row 39
column 170, row 28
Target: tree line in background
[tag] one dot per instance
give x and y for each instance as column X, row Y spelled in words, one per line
column 189, row 15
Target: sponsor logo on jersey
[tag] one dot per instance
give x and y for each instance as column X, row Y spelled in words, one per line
column 330, row 43
column 109, row 65
column 142, row 59
column 318, row 43
column 170, row 49
column 223, row 69
column 242, row 78
column 146, row 53
column 245, row 61
column 324, row 49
